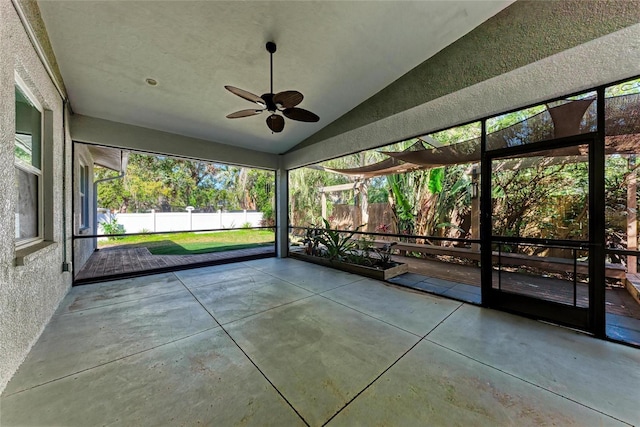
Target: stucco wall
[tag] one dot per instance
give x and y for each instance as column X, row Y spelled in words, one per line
column 523, row 34
column 29, row 294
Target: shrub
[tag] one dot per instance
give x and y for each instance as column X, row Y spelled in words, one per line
column 340, row 246
column 112, row 227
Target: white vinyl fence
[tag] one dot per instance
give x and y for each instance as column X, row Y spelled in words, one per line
column 181, row 221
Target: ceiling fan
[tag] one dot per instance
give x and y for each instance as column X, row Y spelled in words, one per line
column 284, row 102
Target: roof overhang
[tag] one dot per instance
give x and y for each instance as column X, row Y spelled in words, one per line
column 110, row 158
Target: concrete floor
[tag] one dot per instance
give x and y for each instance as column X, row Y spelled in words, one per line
column 281, row 342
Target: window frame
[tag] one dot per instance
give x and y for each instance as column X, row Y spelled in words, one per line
column 20, row 243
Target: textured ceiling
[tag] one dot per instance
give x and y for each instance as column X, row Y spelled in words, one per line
column 337, row 54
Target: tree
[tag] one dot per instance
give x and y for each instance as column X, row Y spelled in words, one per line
column 165, row 183
column 304, row 197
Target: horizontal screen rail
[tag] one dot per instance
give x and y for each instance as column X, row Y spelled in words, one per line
column 403, row 236
column 530, row 241
column 628, row 252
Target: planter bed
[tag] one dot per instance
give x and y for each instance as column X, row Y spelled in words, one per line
column 372, row 272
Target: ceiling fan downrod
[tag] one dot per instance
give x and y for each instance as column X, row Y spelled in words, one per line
column 271, row 48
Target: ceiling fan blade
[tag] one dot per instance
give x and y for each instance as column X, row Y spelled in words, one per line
column 275, row 123
column 300, row 115
column 244, row 113
column 246, row 95
column 288, row 98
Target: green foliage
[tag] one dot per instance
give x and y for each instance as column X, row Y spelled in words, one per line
column 541, row 199
column 626, row 88
column 21, row 154
column 450, row 225
column 384, row 253
column 406, row 191
column 449, row 206
column 436, row 176
column 261, row 184
column 164, row 184
column 246, row 225
column 403, row 207
column 496, row 123
column 112, row 227
column 618, row 172
column 362, row 253
column 341, row 246
column 338, row 245
column 311, row 241
column 304, row 197
column 458, row 133
column 531, row 197
column 378, row 190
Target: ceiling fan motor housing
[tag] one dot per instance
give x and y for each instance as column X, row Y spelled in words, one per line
column 268, row 99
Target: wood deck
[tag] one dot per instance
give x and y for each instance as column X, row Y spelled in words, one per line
column 618, row 300
column 114, row 262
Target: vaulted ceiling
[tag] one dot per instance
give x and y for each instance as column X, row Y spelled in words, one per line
column 338, row 54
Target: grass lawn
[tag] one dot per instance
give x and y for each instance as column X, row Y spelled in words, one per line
column 192, row 243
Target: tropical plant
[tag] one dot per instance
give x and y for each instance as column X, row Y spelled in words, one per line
column 341, row 246
column 362, row 253
column 111, row 226
column 311, row 241
column 403, row 198
column 337, row 244
column 384, row 253
column 445, row 209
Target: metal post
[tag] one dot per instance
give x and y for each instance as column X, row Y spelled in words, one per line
column 323, row 202
column 597, row 295
column 632, row 220
column 500, row 266
column 485, row 220
column 475, row 208
column 282, row 217
column 575, row 276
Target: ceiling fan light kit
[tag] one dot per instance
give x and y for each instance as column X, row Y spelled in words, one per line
column 284, row 102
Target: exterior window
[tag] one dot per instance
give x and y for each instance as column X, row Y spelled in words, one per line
column 28, row 168
column 84, row 194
